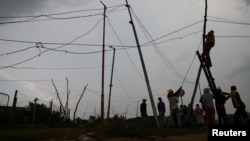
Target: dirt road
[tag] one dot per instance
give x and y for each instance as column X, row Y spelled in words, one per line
column 190, row 137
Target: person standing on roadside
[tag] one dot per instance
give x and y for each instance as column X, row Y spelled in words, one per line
column 220, row 100
column 161, row 109
column 199, row 114
column 143, row 109
column 208, row 103
column 239, row 105
column 173, row 99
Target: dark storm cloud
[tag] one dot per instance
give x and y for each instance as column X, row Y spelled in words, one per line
column 32, row 7
column 22, row 7
column 245, row 1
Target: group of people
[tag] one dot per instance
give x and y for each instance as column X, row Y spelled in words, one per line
column 173, row 98
column 210, row 107
column 207, row 99
column 160, row 107
column 211, row 103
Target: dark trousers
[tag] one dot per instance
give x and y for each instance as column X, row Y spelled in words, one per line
column 240, row 111
column 221, row 113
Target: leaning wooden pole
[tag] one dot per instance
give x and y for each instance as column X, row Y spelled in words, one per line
column 111, row 80
column 143, row 67
column 79, row 102
column 195, row 87
column 61, row 105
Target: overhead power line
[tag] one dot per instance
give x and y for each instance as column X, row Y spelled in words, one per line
column 233, row 36
column 52, row 16
column 63, row 13
column 71, row 52
column 223, row 20
column 51, row 68
column 29, row 80
column 163, row 57
column 175, row 31
column 40, row 45
column 130, row 59
column 21, row 50
column 48, row 43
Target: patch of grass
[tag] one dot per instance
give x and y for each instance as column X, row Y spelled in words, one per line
column 135, row 128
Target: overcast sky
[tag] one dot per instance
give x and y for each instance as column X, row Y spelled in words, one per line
column 41, row 41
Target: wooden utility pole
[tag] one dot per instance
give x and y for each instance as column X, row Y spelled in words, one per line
column 143, row 67
column 195, row 88
column 13, row 111
column 14, row 102
column 34, row 111
column 205, row 25
column 50, row 111
column 103, row 61
column 67, row 101
column 199, row 72
column 111, row 80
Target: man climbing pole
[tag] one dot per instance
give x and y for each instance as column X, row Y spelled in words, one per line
column 209, row 43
